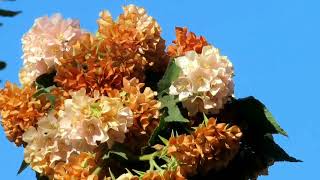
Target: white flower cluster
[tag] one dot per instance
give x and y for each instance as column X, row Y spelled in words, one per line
column 84, row 123
column 206, row 80
column 44, row 44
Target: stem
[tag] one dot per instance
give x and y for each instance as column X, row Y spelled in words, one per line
column 148, row 157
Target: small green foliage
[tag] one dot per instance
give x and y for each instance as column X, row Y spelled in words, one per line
column 169, row 103
column 169, row 76
column 23, row 166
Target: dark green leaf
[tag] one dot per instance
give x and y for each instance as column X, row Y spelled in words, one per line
column 23, row 166
column 274, row 151
column 170, row 75
column 8, row 13
column 40, row 177
column 2, row 65
column 46, row 80
column 257, row 117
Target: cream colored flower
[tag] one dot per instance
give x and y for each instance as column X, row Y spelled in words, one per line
column 126, row 176
column 182, row 87
column 44, row 44
column 205, row 83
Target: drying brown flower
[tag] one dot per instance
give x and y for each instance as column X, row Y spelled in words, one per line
column 19, row 110
column 217, row 144
column 184, row 149
column 186, row 41
column 78, row 167
column 145, row 110
column 210, row 147
column 133, row 42
column 165, row 175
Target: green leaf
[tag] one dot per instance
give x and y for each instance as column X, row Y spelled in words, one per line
column 274, row 151
column 120, row 154
column 8, row 13
column 23, row 166
column 164, row 140
column 170, row 75
column 40, row 177
column 111, row 174
column 170, row 103
column 2, row 65
column 258, row 118
column 46, row 80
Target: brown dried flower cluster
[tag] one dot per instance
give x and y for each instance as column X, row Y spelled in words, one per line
column 19, row 110
column 78, row 167
column 186, row 41
column 84, row 67
column 142, row 101
column 209, row 148
column 165, row 175
column 133, row 42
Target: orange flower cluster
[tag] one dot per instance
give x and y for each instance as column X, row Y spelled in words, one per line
column 165, row 175
column 83, row 67
column 209, row 148
column 133, row 42
column 186, row 41
column 79, row 167
column 145, row 110
column 19, row 110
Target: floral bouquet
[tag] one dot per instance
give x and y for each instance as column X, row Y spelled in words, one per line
column 121, row 105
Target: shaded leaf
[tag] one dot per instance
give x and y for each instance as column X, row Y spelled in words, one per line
column 170, row 75
column 274, row 151
column 255, row 115
column 23, row 166
column 8, row 13
column 120, row 154
column 46, row 80
column 40, row 177
column 2, row 65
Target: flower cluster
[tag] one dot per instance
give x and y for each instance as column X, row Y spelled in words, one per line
column 210, row 147
column 118, row 104
column 205, row 83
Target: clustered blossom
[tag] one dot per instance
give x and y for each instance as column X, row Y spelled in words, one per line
column 186, row 41
column 44, row 45
column 133, row 42
column 210, row 147
column 20, row 110
column 100, row 101
column 205, row 83
column 82, row 124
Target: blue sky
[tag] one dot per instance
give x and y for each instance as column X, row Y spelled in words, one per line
column 273, row 45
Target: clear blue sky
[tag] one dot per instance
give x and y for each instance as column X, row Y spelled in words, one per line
column 273, row 45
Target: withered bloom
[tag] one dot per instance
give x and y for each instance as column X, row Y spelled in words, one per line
column 210, row 147
column 133, row 42
column 20, row 111
column 186, row 41
column 78, row 167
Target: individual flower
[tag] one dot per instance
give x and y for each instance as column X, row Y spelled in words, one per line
column 45, row 43
column 133, row 42
column 205, row 83
column 210, row 147
column 20, row 110
column 186, row 41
